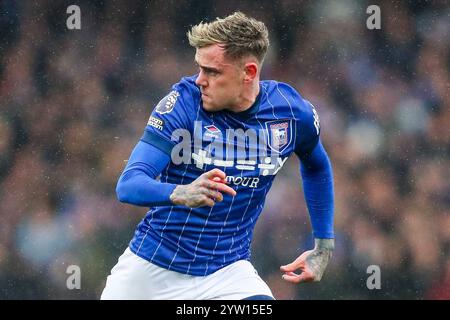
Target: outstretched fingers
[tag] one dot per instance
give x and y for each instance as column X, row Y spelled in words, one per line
column 306, row 274
column 298, row 263
column 217, row 181
column 213, row 194
column 292, row 277
column 211, row 174
column 222, row 188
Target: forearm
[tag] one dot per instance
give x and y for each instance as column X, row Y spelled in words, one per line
column 317, row 178
column 137, row 187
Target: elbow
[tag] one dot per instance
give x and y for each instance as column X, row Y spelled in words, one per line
column 317, row 163
column 122, row 192
column 318, row 168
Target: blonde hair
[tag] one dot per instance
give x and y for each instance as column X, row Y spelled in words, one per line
column 239, row 34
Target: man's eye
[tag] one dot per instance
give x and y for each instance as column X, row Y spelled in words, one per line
column 211, row 72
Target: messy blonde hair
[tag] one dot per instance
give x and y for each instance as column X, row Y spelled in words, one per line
column 239, row 34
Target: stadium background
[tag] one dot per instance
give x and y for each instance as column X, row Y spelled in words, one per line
column 73, row 103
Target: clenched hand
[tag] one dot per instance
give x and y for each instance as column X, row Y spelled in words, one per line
column 203, row 191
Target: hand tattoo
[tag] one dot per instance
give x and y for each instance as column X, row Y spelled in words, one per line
column 318, row 260
column 203, row 191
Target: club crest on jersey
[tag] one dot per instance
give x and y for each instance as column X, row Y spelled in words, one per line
column 167, row 103
column 279, row 134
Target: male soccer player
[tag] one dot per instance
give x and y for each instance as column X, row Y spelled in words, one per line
column 217, row 140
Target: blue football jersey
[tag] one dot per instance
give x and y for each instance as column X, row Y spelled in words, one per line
column 250, row 147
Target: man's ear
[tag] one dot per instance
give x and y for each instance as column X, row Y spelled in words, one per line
column 251, row 70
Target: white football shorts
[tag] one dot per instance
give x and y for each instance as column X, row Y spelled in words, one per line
column 134, row 278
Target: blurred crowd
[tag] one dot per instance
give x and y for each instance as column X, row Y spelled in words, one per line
column 73, row 103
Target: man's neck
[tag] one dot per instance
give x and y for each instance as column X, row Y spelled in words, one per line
column 247, row 98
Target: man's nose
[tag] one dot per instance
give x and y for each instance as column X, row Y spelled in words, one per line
column 201, row 81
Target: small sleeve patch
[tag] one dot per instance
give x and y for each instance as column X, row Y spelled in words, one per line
column 156, row 123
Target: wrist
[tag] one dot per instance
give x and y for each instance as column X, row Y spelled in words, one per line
column 174, row 196
column 324, row 244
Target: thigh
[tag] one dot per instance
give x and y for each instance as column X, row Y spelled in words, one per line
column 237, row 281
column 134, row 278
